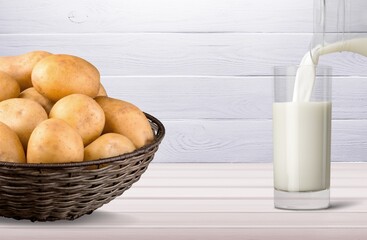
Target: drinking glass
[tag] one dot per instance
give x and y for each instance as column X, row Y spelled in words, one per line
column 301, row 140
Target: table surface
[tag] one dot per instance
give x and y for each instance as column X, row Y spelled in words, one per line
column 211, row 201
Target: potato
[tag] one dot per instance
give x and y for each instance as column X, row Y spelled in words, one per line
column 20, row 67
column 60, row 75
column 126, row 119
column 11, row 149
column 82, row 113
column 9, row 87
column 22, row 116
column 55, row 141
column 108, row 145
column 32, row 94
column 102, row 91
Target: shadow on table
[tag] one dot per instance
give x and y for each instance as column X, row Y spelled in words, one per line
column 344, row 204
column 97, row 218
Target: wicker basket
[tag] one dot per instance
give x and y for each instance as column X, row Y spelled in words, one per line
column 49, row 192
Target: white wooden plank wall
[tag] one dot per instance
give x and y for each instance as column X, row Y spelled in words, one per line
column 204, row 67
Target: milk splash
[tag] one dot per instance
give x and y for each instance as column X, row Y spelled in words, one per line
column 306, row 74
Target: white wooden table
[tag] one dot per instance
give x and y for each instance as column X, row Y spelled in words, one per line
column 211, row 201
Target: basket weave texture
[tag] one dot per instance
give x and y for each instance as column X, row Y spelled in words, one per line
column 49, row 192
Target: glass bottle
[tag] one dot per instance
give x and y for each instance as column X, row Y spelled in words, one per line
column 339, row 25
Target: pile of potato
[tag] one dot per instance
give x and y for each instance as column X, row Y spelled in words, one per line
column 53, row 109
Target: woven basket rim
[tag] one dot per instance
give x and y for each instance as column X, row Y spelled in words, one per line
column 156, row 125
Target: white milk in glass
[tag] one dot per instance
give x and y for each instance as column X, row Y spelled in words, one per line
column 302, row 128
column 301, row 145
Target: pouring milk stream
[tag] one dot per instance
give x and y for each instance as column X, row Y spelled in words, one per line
column 301, row 162
column 305, row 77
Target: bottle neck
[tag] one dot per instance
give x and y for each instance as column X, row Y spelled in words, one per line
column 330, row 22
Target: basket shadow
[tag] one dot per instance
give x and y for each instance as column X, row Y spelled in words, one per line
column 97, row 218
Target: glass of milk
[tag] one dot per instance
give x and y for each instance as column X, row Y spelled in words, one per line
column 302, row 136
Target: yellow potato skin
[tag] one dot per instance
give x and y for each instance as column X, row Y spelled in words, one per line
column 102, row 91
column 126, row 119
column 108, row 145
column 60, row 75
column 32, row 94
column 11, row 149
column 82, row 113
column 20, row 67
column 22, row 116
column 9, row 87
column 53, row 109
column 55, row 141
